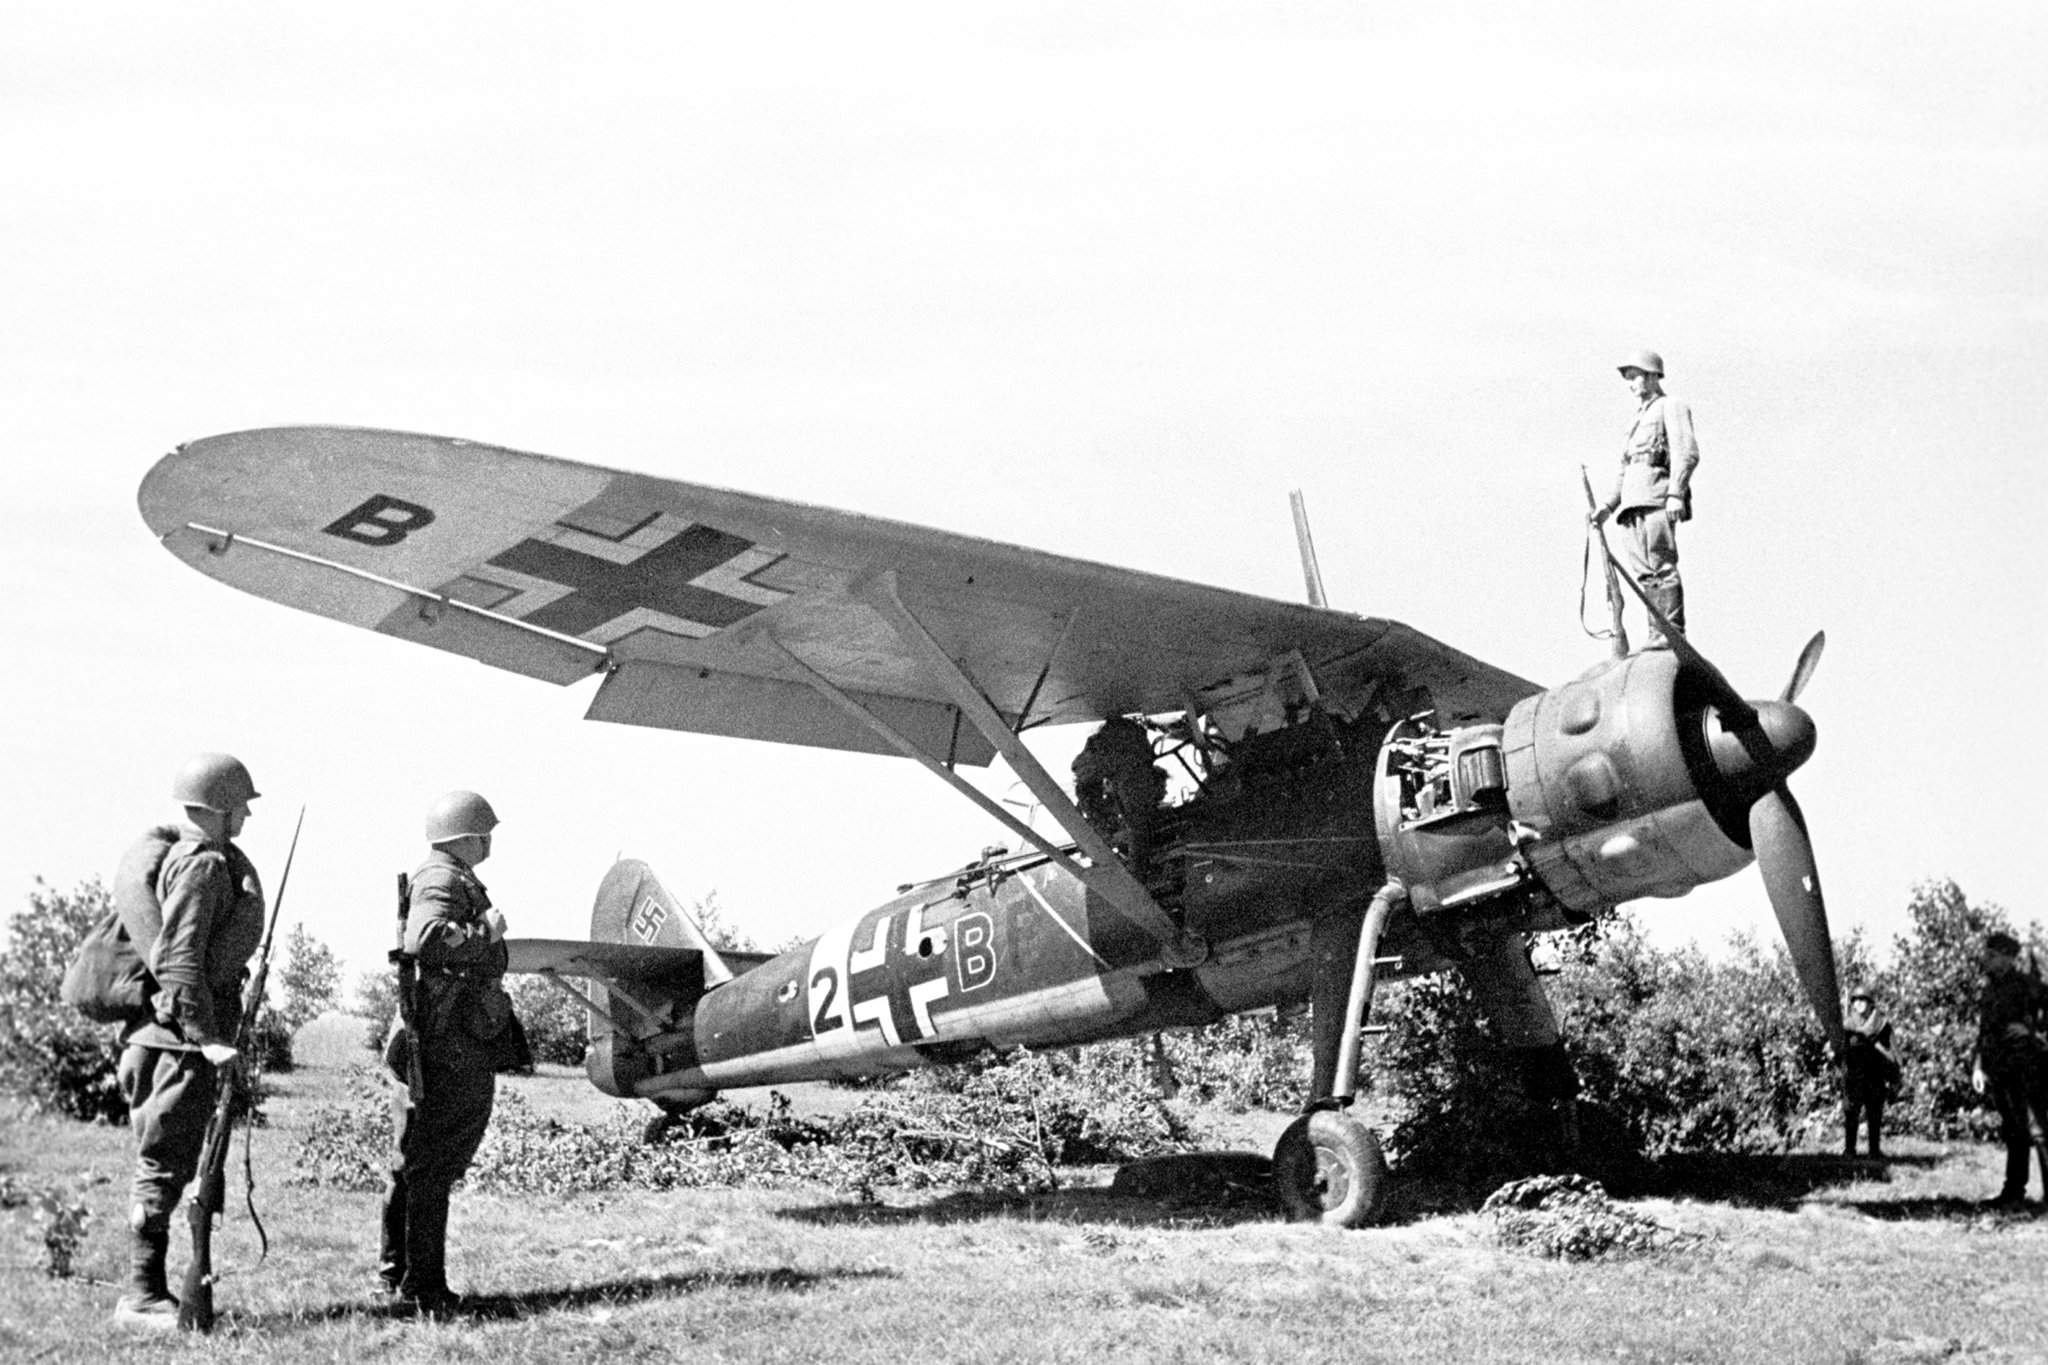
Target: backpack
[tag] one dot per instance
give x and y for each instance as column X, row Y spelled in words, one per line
column 109, row 980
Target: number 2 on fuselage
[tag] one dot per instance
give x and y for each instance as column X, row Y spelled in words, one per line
column 887, row 972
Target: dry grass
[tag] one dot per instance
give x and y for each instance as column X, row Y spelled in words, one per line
column 1801, row 1259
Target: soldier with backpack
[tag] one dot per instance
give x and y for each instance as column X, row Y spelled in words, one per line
column 192, row 908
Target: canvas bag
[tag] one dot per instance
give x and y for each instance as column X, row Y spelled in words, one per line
column 109, row 981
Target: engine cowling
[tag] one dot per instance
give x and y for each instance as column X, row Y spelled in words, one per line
column 1600, row 791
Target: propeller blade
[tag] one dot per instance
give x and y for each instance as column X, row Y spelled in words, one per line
column 1802, row 672
column 1784, row 854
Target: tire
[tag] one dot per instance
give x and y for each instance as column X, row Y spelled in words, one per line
column 1327, row 1168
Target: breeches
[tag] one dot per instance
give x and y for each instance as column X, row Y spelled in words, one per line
column 1649, row 551
column 170, row 1100
column 2018, row 1094
column 437, row 1138
column 1649, row 546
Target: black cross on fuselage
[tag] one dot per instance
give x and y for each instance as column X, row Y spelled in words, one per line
column 899, row 971
column 603, row 591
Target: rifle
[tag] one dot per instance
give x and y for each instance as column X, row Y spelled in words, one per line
column 209, row 1191
column 1618, row 633
column 408, row 996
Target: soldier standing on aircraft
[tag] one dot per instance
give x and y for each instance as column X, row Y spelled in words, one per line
column 1653, row 491
column 173, row 1063
column 1870, row 1072
column 464, row 1032
column 2012, row 1060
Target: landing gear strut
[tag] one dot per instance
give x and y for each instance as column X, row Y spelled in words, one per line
column 1327, row 1166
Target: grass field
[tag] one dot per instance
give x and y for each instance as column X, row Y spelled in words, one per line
column 1799, row 1258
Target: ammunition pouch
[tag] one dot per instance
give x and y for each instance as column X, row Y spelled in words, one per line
column 484, row 1009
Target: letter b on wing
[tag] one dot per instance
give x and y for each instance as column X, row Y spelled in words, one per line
column 381, row 521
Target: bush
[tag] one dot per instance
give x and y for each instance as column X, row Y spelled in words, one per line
column 269, row 1046
column 376, row 1000
column 1244, row 1062
column 1674, row 1052
column 50, row 1055
column 309, row 978
column 554, row 1020
column 1455, row 1100
column 1930, row 993
column 1006, row 1124
column 1696, row 1054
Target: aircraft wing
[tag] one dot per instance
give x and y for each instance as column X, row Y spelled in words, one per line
column 718, row 612
column 604, row 961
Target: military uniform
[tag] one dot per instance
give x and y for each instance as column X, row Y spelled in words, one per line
column 1119, row 789
column 464, row 1033
column 2014, row 1056
column 1657, row 460
column 212, row 923
column 1867, row 1083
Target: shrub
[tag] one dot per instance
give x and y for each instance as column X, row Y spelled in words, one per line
column 50, row 1055
column 1674, row 1052
column 376, row 1000
column 1455, row 1101
column 1570, row 1218
column 1244, row 1062
column 59, row 1217
column 309, row 979
column 1006, row 1124
column 1693, row 1053
column 554, row 1020
column 1930, row 990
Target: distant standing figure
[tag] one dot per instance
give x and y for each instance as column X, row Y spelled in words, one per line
column 2012, row 1060
column 173, row 1064
column 1653, row 490
column 464, row 1033
column 1871, row 1070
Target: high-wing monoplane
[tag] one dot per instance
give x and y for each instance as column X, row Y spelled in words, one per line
column 1356, row 801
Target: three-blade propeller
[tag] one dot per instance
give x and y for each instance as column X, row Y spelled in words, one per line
column 1755, row 746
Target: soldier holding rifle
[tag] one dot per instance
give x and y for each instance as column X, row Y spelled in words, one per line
column 173, row 1063
column 1652, row 491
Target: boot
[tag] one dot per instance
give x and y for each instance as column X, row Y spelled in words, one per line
column 2014, row 1193
column 425, row 1286
column 148, row 1304
column 391, row 1254
column 1670, row 599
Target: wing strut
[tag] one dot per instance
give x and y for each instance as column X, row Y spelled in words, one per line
column 1108, row 878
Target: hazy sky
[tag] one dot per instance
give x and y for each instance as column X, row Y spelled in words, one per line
column 1106, row 280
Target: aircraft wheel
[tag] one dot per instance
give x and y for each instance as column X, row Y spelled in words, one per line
column 1327, row 1167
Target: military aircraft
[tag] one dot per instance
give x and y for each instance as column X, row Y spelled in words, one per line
column 1357, row 802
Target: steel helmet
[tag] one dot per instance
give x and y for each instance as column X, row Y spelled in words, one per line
column 215, row 782
column 1649, row 362
column 455, row 814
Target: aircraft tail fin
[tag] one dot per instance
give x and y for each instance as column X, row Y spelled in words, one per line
column 632, row 906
